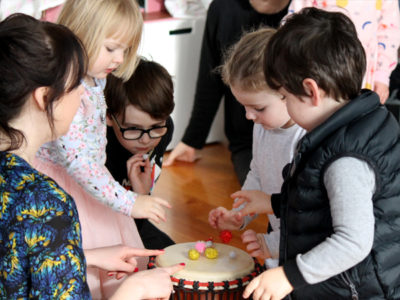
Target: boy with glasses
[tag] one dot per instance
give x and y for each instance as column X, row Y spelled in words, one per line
column 140, row 129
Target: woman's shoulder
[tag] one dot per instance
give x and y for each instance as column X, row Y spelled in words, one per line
column 25, row 186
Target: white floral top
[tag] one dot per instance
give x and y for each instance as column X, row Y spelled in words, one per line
column 82, row 152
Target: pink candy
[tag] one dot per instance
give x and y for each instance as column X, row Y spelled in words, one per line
column 200, row 246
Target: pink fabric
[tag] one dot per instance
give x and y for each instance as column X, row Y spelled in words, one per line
column 76, row 161
column 377, row 23
column 101, row 226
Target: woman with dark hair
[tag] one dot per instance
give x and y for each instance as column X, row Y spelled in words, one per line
column 41, row 255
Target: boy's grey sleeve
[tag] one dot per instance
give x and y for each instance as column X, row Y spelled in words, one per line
column 350, row 184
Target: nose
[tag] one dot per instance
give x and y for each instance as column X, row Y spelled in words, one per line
column 250, row 115
column 145, row 138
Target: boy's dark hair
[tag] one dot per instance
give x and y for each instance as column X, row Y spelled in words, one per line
column 149, row 89
column 319, row 45
column 35, row 54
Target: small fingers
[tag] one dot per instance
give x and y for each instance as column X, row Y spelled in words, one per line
column 249, row 236
column 251, row 287
column 253, row 246
column 257, row 253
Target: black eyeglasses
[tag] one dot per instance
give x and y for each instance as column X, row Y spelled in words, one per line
column 133, row 133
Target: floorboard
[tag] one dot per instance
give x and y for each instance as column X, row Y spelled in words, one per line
column 193, row 189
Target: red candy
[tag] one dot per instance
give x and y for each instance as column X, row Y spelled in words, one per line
column 225, row 236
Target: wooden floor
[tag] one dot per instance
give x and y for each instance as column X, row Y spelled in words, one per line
column 193, row 189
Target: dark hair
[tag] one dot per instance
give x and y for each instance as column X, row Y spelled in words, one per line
column 149, row 89
column 35, row 54
column 320, row 45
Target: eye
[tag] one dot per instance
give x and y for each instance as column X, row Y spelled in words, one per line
column 283, row 97
column 259, row 109
column 110, row 49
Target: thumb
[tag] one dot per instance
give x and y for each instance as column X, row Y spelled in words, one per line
column 175, row 268
column 238, row 216
column 239, row 202
column 248, row 211
column 126, row 266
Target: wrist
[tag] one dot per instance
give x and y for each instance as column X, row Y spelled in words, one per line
column 90, row 257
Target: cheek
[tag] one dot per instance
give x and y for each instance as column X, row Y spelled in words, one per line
column 289, row 108
column 129, row 145
column 77, row 102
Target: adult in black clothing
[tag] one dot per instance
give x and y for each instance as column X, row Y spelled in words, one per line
column 226, row 21
column 140, row 129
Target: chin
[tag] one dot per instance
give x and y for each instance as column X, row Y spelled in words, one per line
column 137, row 151
column 266, row 127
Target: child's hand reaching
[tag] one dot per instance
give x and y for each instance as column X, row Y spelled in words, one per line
column 182, row 152
column 139, row 173
column 149, row 207
column 257, row 202
column 119, row 260
column 271, row 284
column 256, row 245
column 222, row 219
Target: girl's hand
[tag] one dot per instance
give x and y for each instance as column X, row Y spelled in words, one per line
column 256, row 245
column 149, row 207
column 257, row 202
column 148, row 284
column 182, row 152
column 139, row 174
column 119, row 259
column 270, row 285
column 222, row 219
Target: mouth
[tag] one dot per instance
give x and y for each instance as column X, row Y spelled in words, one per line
column 108, row 71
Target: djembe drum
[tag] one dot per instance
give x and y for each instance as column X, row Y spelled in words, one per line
column 224, row 277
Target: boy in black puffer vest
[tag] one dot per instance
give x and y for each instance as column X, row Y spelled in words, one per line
column 340, row 201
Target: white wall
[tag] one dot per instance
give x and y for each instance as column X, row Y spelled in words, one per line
column 175, row 44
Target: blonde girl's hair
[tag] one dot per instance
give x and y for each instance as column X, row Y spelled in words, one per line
column 244, row 61
column 93, row 21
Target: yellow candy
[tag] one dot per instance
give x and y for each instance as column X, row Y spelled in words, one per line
column 211, row 253
column 194, row 254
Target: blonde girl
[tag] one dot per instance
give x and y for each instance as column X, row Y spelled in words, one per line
column 110, row 30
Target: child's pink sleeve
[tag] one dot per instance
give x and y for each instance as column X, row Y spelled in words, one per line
column 388, row 40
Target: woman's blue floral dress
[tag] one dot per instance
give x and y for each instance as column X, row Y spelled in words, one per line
column 41, row 252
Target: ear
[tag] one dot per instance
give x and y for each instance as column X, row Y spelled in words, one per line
column 39, row 96
column 109, row 121
column 313, row 91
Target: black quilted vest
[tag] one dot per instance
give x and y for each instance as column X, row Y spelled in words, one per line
column 366, row 130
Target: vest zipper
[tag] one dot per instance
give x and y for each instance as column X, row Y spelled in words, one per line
column 347, row 280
